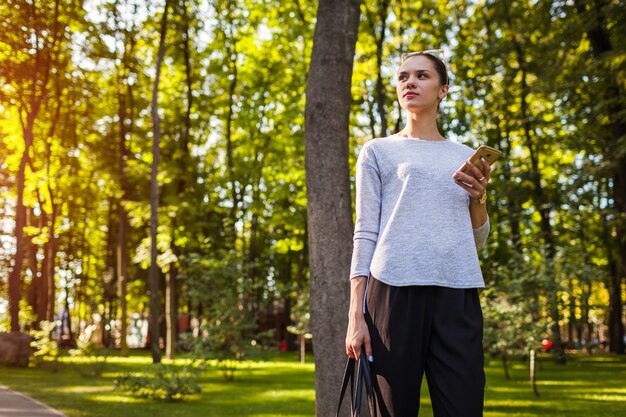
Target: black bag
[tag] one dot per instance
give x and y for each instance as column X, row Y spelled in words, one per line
column 358, row 375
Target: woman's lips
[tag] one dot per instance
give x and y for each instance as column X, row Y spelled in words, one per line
column 410, row 94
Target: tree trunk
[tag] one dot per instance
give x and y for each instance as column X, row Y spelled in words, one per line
column 154, row 196
column 33, row 264
column 42, row 285
column 571, row 322
column 328, row 190
column 382, row 12
column 601, row 45
column 122, row 225
column 235, row 194
column 505, row 365
column 184, row 165
column 125, row 122
column 50, row 254
column 15, row 282
column 122, row 277
column 35, row 98
column 540, row 201
column 171, row 315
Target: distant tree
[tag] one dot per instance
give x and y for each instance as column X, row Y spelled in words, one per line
column 154, row 198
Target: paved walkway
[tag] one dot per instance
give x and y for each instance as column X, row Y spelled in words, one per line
column 14, row 404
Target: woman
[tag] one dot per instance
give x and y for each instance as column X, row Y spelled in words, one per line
column 420, row 220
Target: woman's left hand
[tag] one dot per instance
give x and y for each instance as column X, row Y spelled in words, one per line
column 476, row 174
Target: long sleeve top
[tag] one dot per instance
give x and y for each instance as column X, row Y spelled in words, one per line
column 413, row 224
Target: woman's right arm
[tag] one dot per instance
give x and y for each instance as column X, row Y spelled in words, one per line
column 358, row 334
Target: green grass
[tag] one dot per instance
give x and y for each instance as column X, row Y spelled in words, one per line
column 587, row 386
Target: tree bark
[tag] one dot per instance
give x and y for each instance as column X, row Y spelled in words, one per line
column 15, row 293
column 382, row 12
column 154, row 196
column 541, row 203
column 171, row 315
column 328, row 190
column 600, row 40
column 235, row 193
column 33, row 264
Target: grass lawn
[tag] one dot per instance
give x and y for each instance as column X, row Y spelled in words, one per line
column 588, row 386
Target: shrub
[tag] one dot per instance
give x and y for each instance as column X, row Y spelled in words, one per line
column 162, row 382
column 46, row 349
column 95, row 357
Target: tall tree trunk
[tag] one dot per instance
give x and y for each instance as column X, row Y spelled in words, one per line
column 42, row 285
column 122, row 225
column 51, row 251
column 125, row 123
column 50, row 254
column 541, row 203
column 35, row 97
column 33, row 264
column 184, row 165
column 232, row 51
column 122, row 271
column 328, row 189
column 154, row 195
column 600, row 40
column 171, row 315
column 571, row 322
column 15, row 282
column 379, row 35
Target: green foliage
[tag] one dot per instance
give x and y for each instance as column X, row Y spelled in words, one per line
column 525, row 79
column 301, row 316
column 93, row 357
column 162, row 382
column 46, row 349
column 228, row 332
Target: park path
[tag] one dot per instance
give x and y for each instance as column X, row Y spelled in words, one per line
column 14, row 404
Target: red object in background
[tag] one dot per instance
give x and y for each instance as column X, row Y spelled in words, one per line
column 283, row 346
column 547, row 344
column 184, row 323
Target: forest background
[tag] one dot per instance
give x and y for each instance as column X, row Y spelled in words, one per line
column 152, row 162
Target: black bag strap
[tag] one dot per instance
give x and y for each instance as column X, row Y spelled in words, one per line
column 347, row 379
column 363, row 378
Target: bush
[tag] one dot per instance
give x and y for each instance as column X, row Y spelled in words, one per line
column 228, row 331
column 46, row 349
column 95, row 356
column 162, row 382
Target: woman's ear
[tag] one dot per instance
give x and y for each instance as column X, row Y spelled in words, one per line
column 443, row 92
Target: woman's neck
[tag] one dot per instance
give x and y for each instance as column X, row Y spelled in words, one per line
column 422, row 127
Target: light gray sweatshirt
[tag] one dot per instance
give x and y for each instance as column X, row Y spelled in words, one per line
column 413, row 225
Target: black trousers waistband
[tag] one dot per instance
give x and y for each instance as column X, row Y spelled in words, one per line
column 432, row 330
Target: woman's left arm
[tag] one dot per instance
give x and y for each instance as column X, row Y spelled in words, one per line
column 478, row 213
column 477, row 175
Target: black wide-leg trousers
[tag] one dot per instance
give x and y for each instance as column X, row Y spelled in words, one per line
column 426, row 329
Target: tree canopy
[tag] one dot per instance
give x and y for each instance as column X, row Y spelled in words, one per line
column 541, row 80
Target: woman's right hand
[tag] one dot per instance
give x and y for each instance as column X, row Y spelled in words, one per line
column 357, row 336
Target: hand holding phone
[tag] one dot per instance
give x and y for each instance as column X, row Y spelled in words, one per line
column 483, row 153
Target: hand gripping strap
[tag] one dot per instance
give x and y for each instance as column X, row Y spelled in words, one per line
column 363, row 377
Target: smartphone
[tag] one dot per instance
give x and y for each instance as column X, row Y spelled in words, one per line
column 488, row 153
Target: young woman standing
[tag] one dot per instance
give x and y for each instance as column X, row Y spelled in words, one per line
column 420, row 220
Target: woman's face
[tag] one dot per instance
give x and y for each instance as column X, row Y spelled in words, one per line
column 418, row 84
